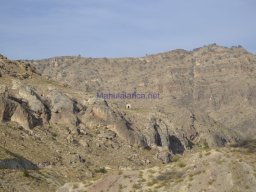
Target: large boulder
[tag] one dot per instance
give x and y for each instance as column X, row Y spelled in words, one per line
column 59, row 102
column 29, row 94
column 14, row 109
column 62, row 109
column 24, row 117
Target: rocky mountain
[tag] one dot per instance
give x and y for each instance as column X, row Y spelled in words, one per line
column 52, row 134
column 63, row 127
column 212, row 86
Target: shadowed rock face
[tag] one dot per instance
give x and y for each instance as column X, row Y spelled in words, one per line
column 15, row 161
column 13, row 109
column 159, row 134
column 175, row 145
column 24, row 106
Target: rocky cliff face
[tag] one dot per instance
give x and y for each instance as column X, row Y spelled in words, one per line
column 205, row 94
column 207, row 99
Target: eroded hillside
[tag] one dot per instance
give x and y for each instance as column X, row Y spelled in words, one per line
column 57, row 135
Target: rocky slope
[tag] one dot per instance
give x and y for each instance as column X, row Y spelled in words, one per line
column 205, row 94
column 52, row 134
column 213, row 170
column 54, row 129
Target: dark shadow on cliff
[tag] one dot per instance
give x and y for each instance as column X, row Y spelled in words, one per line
column 175, row 145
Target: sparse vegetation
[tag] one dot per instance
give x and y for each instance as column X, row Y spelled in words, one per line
column 136, row 186
column 211, row 181
column 151, row 171
column 75, row 186
column 26, row 173
column 101, row 170
column 175, row 158
column 120, row 172
column 181, row 164
column 151, row 183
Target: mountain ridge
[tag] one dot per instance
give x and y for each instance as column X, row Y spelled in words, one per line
column 206, row 104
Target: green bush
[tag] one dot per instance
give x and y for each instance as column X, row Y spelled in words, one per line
column 101, row 170
column 25, row 173
column 181, row 164
column 175, row 158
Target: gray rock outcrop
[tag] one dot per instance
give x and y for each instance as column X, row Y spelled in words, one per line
column 13, row 109
column 62, row 109
column 105, row 116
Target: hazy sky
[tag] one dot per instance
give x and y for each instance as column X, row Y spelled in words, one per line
column 33, row 29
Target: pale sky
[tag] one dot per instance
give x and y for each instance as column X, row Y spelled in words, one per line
column 36, row 29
